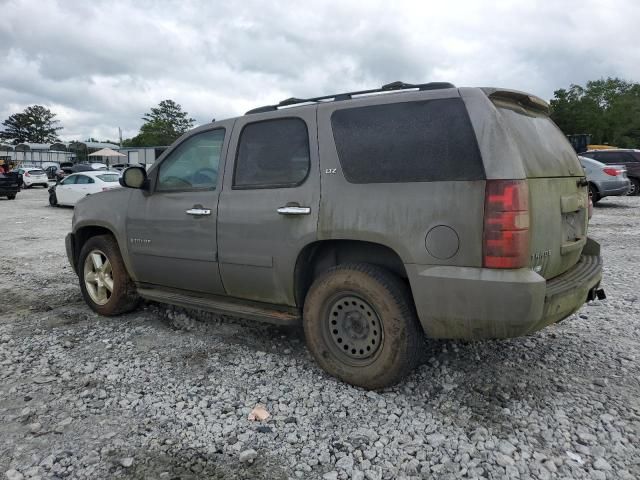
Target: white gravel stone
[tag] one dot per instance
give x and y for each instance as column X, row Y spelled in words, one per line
column 13, row 475
column 601, row 464
column 248, row 456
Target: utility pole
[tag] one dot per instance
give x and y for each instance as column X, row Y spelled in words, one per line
column 120, row 135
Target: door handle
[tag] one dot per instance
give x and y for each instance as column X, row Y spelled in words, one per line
column 198, row 211
column 293, row 210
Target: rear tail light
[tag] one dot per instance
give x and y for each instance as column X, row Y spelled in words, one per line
column 506, row 224
column 614, row 172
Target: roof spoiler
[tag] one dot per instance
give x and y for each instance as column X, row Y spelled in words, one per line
column 525, row 100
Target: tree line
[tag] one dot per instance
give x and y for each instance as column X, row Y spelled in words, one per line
column 37, row 124
column 608, row 109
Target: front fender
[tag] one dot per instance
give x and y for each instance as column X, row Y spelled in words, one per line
column 99, row 212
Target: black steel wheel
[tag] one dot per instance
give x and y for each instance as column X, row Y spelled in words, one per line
column 354, row 329
column 361, row 327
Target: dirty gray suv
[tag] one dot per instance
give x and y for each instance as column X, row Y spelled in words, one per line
column 372, row 217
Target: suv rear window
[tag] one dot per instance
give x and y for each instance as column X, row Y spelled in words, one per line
column 422, row 141
column 545, row 150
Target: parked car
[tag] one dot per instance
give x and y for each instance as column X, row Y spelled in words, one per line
column 370, row 217
column 79, row 185
column 629, row 158
column 10, row 183
column 32, row 176
column 605, row 180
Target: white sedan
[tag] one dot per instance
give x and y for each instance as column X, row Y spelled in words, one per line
column 33, row 176
column 78, row 185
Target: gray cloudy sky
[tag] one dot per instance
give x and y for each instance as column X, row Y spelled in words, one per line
column 103, row 64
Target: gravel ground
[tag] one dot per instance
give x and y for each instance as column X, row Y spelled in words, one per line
column 164, row 393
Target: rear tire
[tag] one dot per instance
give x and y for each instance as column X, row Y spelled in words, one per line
column 360, row 325
column 634, row 189
column 593, row 193
column 104, row 281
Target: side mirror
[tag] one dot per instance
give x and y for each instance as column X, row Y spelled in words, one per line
column 134, row 177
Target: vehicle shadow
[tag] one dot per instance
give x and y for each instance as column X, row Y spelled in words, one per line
column 603, row 204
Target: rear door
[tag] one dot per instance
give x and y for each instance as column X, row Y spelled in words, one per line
column 558, row 195
column 171, row 229
column 268, row 209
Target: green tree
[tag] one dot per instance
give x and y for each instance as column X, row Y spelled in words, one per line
column 37, row 124
column 608, row 109
column 162, row 126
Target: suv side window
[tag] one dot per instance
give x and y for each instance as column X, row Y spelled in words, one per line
column 614, row 157
column 421, row 141
column 193, row 165
column 272, row 153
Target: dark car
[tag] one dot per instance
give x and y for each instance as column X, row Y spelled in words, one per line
column 10, row 183
column 618, row 156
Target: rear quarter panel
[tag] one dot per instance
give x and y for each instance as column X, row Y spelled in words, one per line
column 397, row 215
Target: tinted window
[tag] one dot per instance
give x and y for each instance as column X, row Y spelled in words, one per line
column 36, row 172
column 407, row 142
column 614, row 157
column 69, row 180
column 193, row 165
column 84, row 180
column 274, row 153
column 544, row 149
column 113, row 177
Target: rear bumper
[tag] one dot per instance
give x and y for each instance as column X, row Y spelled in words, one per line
column 9, row 190
column 608, row 189
column 476, row 303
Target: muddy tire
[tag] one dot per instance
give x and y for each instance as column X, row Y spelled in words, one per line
column 360, row 325
column 104, row 281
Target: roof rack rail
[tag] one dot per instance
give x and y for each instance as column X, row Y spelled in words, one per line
column 393, row 86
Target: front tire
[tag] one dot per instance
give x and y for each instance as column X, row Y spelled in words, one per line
column 360, row 325
column 593, row 193
column 104, row 281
